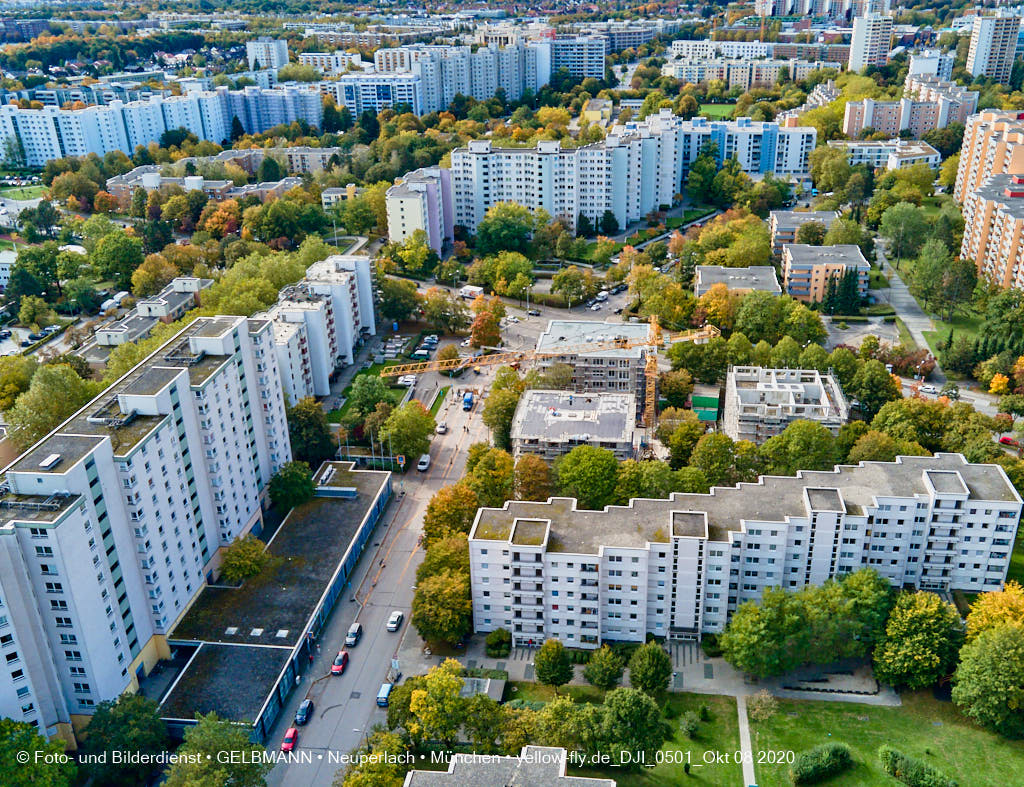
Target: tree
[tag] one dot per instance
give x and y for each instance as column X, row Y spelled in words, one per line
column 588, row 474
column 442, row 610
column 35, row 312
column 117, row 256
column 676, row 387
column 767, row 638
column 436, row 705
column 633, row 726
column 715, row 456
column 451, row 510
column 408, row 429
column 54, row 394
column 311, row 438
column 485, row 330
column 43, row 767
column 450, row 553
column 812, row 233
column 920, row 643
column 609, row 223
column 398, row 298
column 873, row 386
column 803, row 445
column 532, row 479
column 130, row 723
column 16, row 373
column 484, row 723
column 499, row 410
column 552, row 664
column 506, row 226
column 650, row 669
column 905, row 227
column 291, row 486
column 221, row 756
column 570, row 282
column 604, row 669
column 491, row 478
column 996, row 608
column 245, row 558
column 444, row 312
column 367, row 391
column 989, row 682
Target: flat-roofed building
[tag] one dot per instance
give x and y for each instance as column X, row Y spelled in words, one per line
column 760, row 403
column 537, row 766
column 756, row 277
column 889, row 154
column 994, row 230
column 552, row 423
column 807, row 270
column 783, row 224
column 666, row 567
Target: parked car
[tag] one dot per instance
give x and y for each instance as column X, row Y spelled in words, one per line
column 442, row 428
column 291, row 738
column 424, row 463
column 395, row 621
column 533, row 312
column 304, row 713
column 929, row 389
column 596, row 307
column 339, row 663
column 465, row 343
column 619, row 310
column 1009, row 441
column 513, row 318
column 52, row 329
column 5, row 334
column 37, row 336
column 355, row 632
column 26, row 343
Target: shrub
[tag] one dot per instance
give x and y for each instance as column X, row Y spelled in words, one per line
column 703, row 713
column 688, row 724
column 912, row 771
column 843, row 326
column 526, row 704
column 762, row 706
column 243, row 559
column 709, row 644
column 498, row 643
column 817, row 764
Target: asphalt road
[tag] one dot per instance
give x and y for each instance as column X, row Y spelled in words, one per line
column 384, row 580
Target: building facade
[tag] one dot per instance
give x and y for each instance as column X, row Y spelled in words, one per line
column 927, row 104
column 807, row 270
column 678, row 568
column 266, row 52
column 994, row 230
column 993, row 145
column 112, row 522
column 331, row 63
column 581, row 56
column 743, row 74
column 993, row 46
column 422, row 200
column 889, row 154
column 550, row 424
column 783, row 224
column 870, row 42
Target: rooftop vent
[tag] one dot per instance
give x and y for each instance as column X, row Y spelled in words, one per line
column 50, row 462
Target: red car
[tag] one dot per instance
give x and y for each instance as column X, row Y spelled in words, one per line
column 291, row 738
column 340, row 662
column 1009, row 441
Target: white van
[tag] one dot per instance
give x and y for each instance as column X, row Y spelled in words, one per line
column 424, row 463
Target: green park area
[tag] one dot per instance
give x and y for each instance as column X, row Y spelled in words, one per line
column 23, row 192
column 922, row 727
column 717, row 111
column 394, row 395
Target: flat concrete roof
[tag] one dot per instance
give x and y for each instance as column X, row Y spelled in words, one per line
column 844, row 254
column 562, row 333
column 794, row 218
column 771, row 499
column 560, row 416
column 756, row 277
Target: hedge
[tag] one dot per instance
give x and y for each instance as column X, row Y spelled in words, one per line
column 912, row 771
column 498, row 643
column 821, row 762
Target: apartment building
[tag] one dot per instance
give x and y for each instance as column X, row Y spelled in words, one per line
column 807, row 270
column 362, row 92
column 870, row 42
column 708, row 49
column 636, row 168
column 822, row 9
column 112, row 522
column 836, row 55
column 422, row 200
column 994, row 230
column 743, row 74
column 678, row 568
column 931, row 63
column 332, row 63
column 51, row 133
column 550, row 424
column 149, row 178
column 265, row 52
column 928, row 103
column 993, row 46
column 537, row 765
column 760, row 403
column 755, row 277
column 822, row 94
column 889, row 154
column 622, row 34
column 993, row 145
column 783, row 224
column 581, row 56
column 320, row 322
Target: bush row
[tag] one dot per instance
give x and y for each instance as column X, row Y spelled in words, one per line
column 821, row 762
column 912, row 771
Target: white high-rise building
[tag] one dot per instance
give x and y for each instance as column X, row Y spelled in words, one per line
column 422, row 200
column 110, row 524
column 871, row 41
column 931, row 63
column 678, row 568
column 993, row 46
column 582, row 56
column 374, row 92
column 331, row 63
column 267, row 52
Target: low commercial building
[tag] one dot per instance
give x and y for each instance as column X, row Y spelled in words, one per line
column 537, row 766
column 783, row 224
column 807, row 270
column 678, row 568
column 552, row 423
column 760, row 403
column 756, row 277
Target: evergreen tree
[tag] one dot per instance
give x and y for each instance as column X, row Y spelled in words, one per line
column 237, row 130
column 584, row 226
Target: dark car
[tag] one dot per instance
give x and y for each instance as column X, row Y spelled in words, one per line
column 533, row 312
column 26, row 343
column 304, row 713
column 36, row 336
column 5, row 334
column 340, row 662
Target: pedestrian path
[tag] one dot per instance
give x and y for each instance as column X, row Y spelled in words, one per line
column 748, row 752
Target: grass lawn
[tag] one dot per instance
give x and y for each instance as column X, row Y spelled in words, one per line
column 717, row 111
column 968, row 325
column 394, row 394
column 1016, row 571
column 877, row 280
column 439, row 400
column 6, row 244
column 923, row 727
column 719, row 734
column 23, row 192
column 691, row 214
column 904, row 333
column 535, row 692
